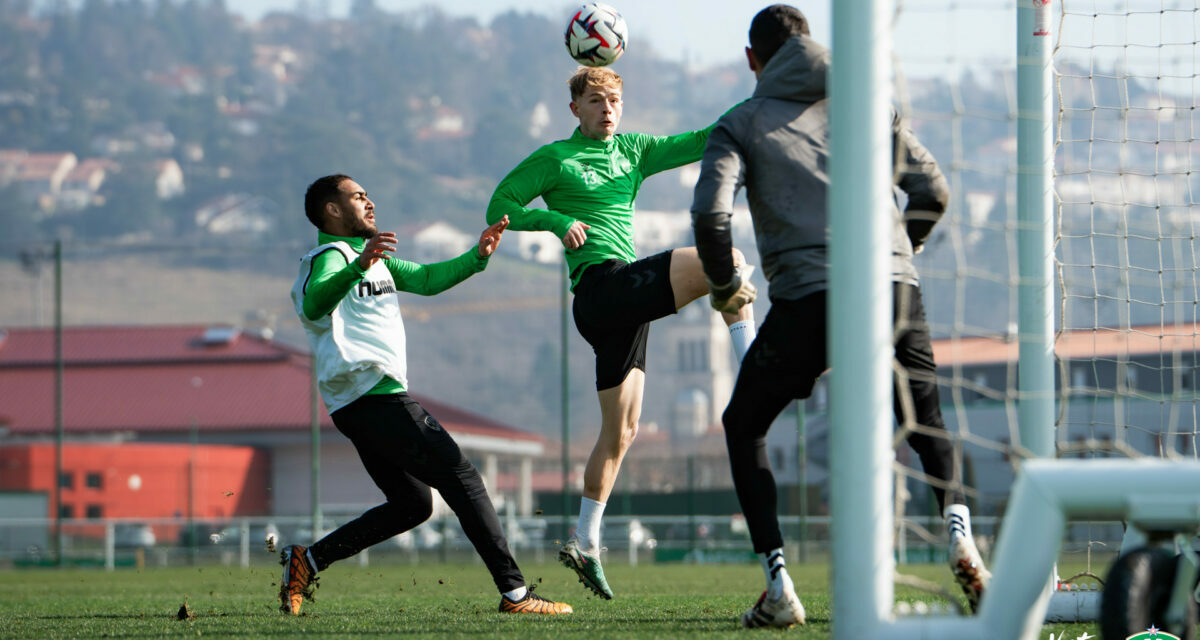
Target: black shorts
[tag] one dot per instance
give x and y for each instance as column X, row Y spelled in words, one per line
column 614, row 304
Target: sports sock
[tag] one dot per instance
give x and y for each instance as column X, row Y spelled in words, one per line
column 516, row 595
column 588, row 529
column 741, row 334
column 958, row 521
column 778, row 579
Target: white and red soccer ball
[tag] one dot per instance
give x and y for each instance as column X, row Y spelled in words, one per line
column 596, row 35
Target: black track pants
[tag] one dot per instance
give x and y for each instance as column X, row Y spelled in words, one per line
column 783, row 364
column 406, row 452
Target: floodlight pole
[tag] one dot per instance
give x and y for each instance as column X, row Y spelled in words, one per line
column 314, row 420
column 860, row 317
column 59, row 436
column 565, row 362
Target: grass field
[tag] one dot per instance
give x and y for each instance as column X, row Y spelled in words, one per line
column 411, row 601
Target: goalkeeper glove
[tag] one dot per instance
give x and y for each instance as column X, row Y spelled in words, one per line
column 737, row 293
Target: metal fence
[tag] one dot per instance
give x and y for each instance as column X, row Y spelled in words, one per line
column 243, row 542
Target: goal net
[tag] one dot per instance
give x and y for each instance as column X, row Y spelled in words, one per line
column 1126, row 287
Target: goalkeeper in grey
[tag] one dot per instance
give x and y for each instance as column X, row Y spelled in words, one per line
column 776, row 146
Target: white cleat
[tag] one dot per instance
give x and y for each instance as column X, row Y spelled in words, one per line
column 781, row 613
column 969, row 571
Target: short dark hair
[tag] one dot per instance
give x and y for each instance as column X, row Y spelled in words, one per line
column 772, row 27
column 320, row 192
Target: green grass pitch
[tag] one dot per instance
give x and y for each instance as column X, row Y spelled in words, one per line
column 414, row 601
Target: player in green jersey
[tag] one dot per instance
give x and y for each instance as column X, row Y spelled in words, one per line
column 589, row 182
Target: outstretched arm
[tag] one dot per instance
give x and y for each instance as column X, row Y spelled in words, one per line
column 490, row 239
column 662, row 153
column 434, row 278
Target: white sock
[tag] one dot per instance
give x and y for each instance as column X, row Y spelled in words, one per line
column 741, row 334
column 958, row 521
column 588, row 529
column 778, row 579
column 517, row 594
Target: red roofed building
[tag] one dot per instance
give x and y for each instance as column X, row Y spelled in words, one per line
column 41, row 176
column 219, row 386
column 82, row 183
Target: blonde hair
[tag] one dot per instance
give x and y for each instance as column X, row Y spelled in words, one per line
column 585, row 77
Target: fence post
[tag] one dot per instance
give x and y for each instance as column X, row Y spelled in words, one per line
column 244, row 530
column 110, row 544
column 691, row 506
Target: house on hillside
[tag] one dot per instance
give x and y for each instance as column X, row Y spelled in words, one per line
column 236, row 213
column 81, row 187
column 181, row 386
column 168, row 178
column 40, row 176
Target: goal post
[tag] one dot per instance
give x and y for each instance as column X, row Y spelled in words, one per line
column 860, row 316
column 1048, row 493
column 1035, row 225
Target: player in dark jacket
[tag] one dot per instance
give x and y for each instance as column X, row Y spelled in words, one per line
column 776, row 145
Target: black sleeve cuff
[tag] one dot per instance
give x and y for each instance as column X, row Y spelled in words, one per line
column 714, row 243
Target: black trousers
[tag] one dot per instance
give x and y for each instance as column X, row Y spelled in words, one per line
column 406, row 452
column 783, row 364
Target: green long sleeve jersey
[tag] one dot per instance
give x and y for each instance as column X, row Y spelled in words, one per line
column 332, row 278
column 593, row 181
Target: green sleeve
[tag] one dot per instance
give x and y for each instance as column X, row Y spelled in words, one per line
column 662, row 153
column 331, row 279
column 536, row 175
column 436, row 277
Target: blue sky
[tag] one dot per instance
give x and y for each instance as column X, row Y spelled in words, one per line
column 930, row 38
column 703, row 32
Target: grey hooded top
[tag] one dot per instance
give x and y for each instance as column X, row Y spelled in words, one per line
column 776, row 144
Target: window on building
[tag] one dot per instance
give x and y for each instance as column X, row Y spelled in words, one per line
column 1131, row 377
column 67, row 480
column 979, row 389
column 66, row 511
column 94, row 511
column 94, row 480
column 693, row 355
column 1079, row 377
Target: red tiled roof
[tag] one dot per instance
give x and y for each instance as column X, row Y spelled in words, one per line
column 1074, row 345
column 164, row 378
column 86, row 167
column 40, row 166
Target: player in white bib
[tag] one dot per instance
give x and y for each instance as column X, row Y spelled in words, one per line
column 346, row 295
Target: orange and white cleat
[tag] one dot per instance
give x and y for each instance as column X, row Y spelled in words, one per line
column 533, row 603
column 299, row 579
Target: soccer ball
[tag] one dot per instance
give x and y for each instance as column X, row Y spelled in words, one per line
column 596, row 35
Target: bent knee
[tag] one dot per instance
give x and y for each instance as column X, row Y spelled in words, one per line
column 619, row 439
column 421, row 509
column 628, row 435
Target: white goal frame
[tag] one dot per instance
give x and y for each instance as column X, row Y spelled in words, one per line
column 1152, row 494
